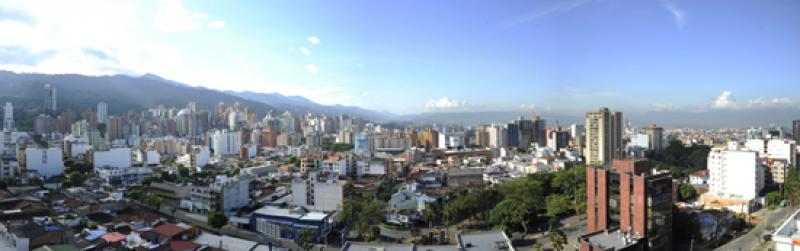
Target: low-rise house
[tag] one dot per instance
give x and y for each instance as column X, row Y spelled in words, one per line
column 123, row 176
column 27, row 235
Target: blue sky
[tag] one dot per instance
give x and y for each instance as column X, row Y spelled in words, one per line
column 412, row 56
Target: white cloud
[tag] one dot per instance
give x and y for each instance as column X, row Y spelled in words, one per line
column 313, row 40
column 172, row 16
column 527, row 106
column 727, row 101
column 445, row 103
column 559, row 7
column 365, row 94
column 216, row 24
column 678, row 14
column 312, row 68
column 305, row 51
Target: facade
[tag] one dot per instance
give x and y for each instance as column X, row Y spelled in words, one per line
column 319, row 192
column 46, row 162
column 223, row 195
column 123, row 176
column 114, row 157
column 734, row 174
column 277, row 222
column 102, row 112
column 50, row 99
column 603, row 137
column 655, row 135
column 734, row 178
column 8, row 117
column 224, row 142
column 796, row 130
column 631, row 200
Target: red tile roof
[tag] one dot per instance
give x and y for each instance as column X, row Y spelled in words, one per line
column 114, row 237
column 183, row 246
column 168, row 230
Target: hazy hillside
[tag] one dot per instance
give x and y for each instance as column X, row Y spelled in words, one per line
column 122, row 93
column 302, row 105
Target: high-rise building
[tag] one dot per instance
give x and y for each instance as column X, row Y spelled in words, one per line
column 50, row 99
column 655, row 135
column 735, row 178
column 115, row 128
column 539, row 134
column 102, row 112
column 8, row 117
column 627, row 199
column 796, row 130
column 603, row 137
column 525, row 129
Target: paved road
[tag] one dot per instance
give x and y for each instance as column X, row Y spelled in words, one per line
column 752, row 239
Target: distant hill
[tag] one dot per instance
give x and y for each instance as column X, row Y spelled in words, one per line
column 122, row 93
column 303, row 105
column 125, row 93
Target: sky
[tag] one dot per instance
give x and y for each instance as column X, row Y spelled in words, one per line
column 408, row 57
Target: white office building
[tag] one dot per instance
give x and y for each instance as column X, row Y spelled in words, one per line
column 114, row 157
column 319, row 192
column 46, row 162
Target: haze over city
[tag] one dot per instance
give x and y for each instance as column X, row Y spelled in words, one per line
column 468, row 125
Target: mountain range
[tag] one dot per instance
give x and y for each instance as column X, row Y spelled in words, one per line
column 125, row 93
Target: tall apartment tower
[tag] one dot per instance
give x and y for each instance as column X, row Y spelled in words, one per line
column 796, row 130
column 525, row 130
column 8, row 117
column 50, row 99
column 539, row 130
column 655, row 135
column 628, row 200
column 102, row 112
column 603, row 137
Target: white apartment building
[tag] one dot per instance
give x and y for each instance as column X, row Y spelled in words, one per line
column 224, row 194
column 340, row 164
column 114, row 157
column 224, row 142
column 46, row 162
column 319, row 192
column 734, row 174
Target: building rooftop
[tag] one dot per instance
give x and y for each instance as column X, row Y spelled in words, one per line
column 610, row 240
column 788, row 231
column 485, row 241
column 294, row 213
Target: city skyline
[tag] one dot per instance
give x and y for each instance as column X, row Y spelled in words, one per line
column 439, row 56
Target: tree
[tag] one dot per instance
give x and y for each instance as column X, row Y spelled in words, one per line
column 306, row 239
column 76, row 178
column 558, row 204
column 774, row 198
column 431, row 214
column 511, row 215
column 558, row 239
column 687, row 192
column 217, row 219
column 791, row 187
column 183, row 171
column 538, row 247
column 361, row 214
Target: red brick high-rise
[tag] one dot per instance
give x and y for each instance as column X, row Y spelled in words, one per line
column 628, row 199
